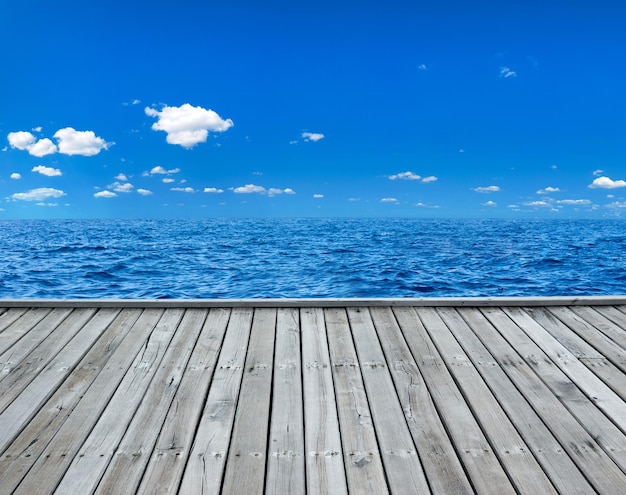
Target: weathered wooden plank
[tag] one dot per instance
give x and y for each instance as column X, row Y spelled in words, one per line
column 541, row 328
column 505, row 372
column 10, row 315
column 14, row 355
column 476, row 453
column 20, row 327
column 514, row 453
column 285, row 461
column 51, row 465
column 205, row 466
column 165, row 470
column 24, row 361
column 439, row 459
column 127, row 466
column 247, row 456
column 363, row 463
column 96, row 453
column 580, row 426
column 324, row 460
column 29, row 445
column 609, row 320
column 400, row 458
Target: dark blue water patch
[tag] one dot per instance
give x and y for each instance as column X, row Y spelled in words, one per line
column 241, row 258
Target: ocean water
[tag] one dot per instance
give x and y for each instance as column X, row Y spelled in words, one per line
column 263, row 258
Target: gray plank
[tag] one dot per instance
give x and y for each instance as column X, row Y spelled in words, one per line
column 205, row 467
column 166, row 467
column 20, row 327
column 47, row 471
column 324, row 458
column 285, row 462
column 126, row 469
column 24, row 361
column 10, row 315
column 609, row 320
column 363, row 463
column 245, row 467
column 506, row 373
column 441, row 464
column 476, row 453
column 400, row 458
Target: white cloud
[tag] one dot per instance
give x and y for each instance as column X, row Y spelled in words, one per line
column 548, row 190
column 273, row 191
column 318, row 196
column 144, row 192
column 42, row 147
column 598, row 172
column 617, row 204
column 85, row 143
column 160, row 170
column 405, row 176
column 424, row 205
column 39, row 194
column 125, row 187
column 49, row 171
column 22, row 140
column 312, row 136
column 388, row 200
column 490, row 204
column 121, row 177
column 486, row 189
column 553, row 167
column 574, row 202
column 168, row 180
column 606, row 183
column 249, row 189
column 505, row 72
column 430, row 178
column 105, row 194
column 354, row 200
column 422, row 67
column 15, row 176
column 187, row 125
column 184, row 189
column 540, row 204
column 213, row 190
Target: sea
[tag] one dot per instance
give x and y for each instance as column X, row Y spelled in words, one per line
column 310, row 258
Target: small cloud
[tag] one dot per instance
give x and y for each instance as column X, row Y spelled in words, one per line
column 606, row 183
column 144, row 192
column 312, row 136
column 293, row 142
column 249, row 189
column 184, row 189
column 85, row 143
column 405, row 176
column 424, row 205
column 422, row 67
column 273, row 191
column 354, row 200
column 505, row 73
column 15, row 176
column 168, row 180
column 105, row 194
column 42, row 147
column 553, row 167
column 187, row 125
column 22, row 140
column 490, row 204
column 121, row 177
column 213, row 190
column 318, row 196
column 430, row 178
column 598, row 172
column 38, row 194
column 161, row 171
column 461, row 150
column 120, row 187
column 548, row 190
column 538, row 204
column 578, row 202
column 486, row 189
column 49, row 171
column 389, row 200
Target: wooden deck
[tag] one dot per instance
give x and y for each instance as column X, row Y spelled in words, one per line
column 294, row 399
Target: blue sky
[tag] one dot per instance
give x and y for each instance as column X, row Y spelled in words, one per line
column 199, row 109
